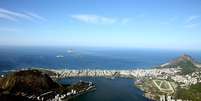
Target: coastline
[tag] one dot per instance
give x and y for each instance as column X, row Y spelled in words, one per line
column 137, row 74
column 143, row 78
column 110, row 74
column 164, row 81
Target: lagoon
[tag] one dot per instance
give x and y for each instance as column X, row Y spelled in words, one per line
column 118, row 89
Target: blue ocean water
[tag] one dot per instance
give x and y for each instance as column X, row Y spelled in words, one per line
column 86, row 57
column 92, row 58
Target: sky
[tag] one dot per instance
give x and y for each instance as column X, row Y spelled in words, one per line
column 156, row 24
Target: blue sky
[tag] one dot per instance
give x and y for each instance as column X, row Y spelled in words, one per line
column 163, row 24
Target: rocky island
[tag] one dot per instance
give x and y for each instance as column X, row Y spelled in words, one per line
column 34, row 85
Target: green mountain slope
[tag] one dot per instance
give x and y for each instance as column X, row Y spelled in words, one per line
column 185, row 62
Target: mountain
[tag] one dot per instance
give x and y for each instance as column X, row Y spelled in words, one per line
column 36, row 85
column 29, row 82
column 185, row 62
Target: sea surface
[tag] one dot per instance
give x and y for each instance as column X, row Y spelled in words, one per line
column 109, row 90
column 86, row 57
column 92, row 58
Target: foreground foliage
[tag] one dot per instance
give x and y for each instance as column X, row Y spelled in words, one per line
column 192, row 93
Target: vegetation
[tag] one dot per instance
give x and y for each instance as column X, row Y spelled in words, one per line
column 22, row 84
column 151, row 90
column 164, row 85
column 187, row 67
column 28, row 82
column 158, row 82
column 192, row 93
column 186, row 64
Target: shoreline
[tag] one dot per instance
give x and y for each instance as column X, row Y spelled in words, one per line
column 170, row 76
column 127, row 74
column 135, row 73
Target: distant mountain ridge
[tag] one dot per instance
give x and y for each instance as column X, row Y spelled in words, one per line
column 185, row 62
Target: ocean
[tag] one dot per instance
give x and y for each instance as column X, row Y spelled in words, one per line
column 86, row 58
column 92, row 58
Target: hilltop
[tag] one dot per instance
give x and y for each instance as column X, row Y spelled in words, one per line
column 35, row 85
column 27, row 82
column 185, row 62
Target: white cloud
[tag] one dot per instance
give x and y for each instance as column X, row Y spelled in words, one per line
column 36, row 16
column 15, row 16
column 192, row 18
column 95, row 19
column 7, row 17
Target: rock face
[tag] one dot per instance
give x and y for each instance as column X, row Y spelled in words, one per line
column 185, row 62
column 27, row 83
